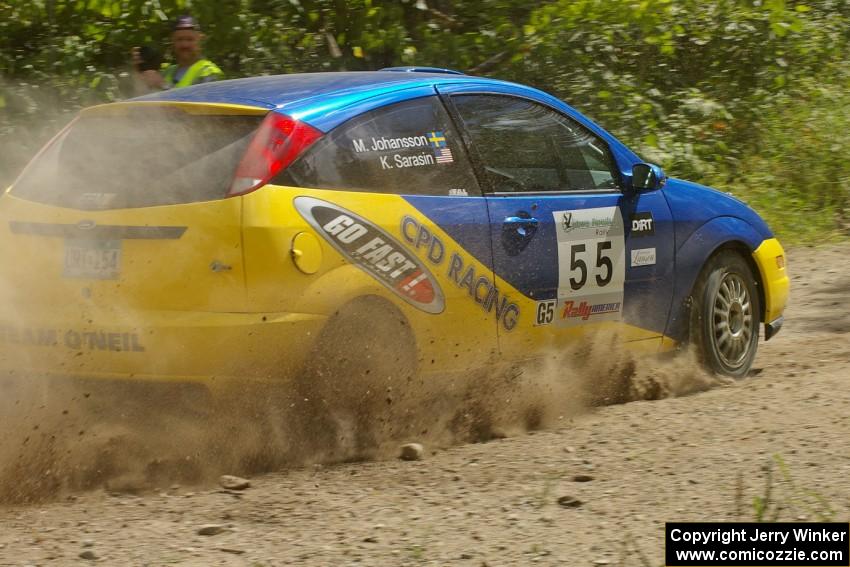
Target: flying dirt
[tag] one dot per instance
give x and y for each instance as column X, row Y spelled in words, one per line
column 68, row 435
column 520, row 466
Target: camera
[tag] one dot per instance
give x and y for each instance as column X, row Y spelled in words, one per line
column 151, row 59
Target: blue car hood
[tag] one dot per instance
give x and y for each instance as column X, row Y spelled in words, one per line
column 693, row 205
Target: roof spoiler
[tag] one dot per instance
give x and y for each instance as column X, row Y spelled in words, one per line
column 415, row 69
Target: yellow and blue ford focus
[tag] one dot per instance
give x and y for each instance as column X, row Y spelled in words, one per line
column 239, row 230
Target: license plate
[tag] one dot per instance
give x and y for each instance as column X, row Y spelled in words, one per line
column 93, row 259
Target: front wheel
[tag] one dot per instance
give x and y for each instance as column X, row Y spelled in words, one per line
column 725, row 315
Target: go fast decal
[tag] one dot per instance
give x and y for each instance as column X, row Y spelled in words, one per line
column 432, row 145
column 591, row 268
column 375, row 252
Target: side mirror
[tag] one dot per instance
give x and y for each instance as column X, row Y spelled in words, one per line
column 647, row 177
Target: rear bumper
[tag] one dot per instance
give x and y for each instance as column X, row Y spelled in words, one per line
column 175, row 346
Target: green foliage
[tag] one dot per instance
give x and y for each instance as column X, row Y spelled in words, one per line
column 798, row 175
column 747, row 95
column 784, row 496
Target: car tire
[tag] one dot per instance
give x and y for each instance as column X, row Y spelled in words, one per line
column 725, row 315
column 355, row 379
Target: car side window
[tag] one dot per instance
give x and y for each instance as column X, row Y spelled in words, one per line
column 527, row 147
column 408, row 148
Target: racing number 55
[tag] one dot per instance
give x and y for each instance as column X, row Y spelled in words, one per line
column 602, row 262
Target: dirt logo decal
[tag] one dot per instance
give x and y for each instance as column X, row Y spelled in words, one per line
column 375, row 252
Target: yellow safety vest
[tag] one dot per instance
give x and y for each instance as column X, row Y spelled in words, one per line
column 199, row 70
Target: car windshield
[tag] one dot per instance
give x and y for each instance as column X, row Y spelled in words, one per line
column 142, row 157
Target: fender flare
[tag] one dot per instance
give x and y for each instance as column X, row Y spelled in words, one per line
column 335, row 289
column 692, row 255
column 325, row 294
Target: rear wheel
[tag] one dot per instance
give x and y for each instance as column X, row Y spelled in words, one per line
column 725, row 315
column 354, row 384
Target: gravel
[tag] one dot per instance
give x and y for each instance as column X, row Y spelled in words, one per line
column 701, row 457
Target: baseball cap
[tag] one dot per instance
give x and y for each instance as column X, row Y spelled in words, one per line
column 186, row 22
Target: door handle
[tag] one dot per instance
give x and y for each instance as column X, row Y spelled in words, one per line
column 523, row 226
column 522, row 221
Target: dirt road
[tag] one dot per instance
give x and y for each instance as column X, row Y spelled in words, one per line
column 703, row 457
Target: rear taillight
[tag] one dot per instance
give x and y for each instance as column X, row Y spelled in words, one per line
column 278, row 141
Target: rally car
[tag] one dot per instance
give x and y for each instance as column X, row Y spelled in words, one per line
column 243, row 229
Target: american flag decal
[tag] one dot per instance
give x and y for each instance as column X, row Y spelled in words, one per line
column 443, row 155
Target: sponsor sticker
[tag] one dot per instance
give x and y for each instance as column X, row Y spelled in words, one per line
column 589, row 221
column 71, row 339
column 96, row 200
column 462, row 272
column 643, row 257
column 585, row 310
column 643, row 224
column 375, row 252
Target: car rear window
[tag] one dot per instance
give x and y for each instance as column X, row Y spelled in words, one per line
column 407, row 148
column 141, row 157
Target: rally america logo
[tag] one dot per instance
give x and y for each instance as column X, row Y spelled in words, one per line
column 375, row 252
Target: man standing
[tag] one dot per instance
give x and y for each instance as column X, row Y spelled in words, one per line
column 190, row 68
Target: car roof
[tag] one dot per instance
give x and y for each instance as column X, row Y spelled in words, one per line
column 326, row 100
column 276, row 91
column 309, row 95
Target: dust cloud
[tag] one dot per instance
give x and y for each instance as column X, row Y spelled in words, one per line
column 63, row 434
column 501, row 401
